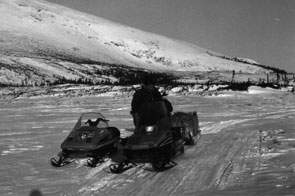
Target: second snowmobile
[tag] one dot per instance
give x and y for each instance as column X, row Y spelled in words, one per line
column 91, row 138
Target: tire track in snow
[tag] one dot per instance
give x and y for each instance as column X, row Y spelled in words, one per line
column 217, row 127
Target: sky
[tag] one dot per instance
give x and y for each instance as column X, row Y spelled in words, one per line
column 262, row 30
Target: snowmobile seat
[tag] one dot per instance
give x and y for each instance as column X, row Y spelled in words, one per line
column 114, row 131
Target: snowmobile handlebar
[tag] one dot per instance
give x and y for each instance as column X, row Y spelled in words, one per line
column 95, row 123
column 102, row 119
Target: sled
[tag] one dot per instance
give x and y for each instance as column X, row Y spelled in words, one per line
column 188, row 123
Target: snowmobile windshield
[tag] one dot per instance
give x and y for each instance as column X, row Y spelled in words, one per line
column 152, row 113
column 85, row 118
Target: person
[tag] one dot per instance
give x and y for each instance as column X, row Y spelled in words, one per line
column 168, row 105
column 146, row 94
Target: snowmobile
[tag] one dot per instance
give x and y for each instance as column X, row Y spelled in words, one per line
column 91, row 138
column 153, row 141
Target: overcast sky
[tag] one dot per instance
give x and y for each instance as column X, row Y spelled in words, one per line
column 263, row 30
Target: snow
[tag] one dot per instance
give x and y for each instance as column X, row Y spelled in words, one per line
column 246, row 148
column 260, row 90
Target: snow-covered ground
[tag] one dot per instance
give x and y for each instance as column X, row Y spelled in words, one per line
column 247, row 147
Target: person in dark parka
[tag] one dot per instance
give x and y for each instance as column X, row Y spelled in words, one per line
column 146, row 94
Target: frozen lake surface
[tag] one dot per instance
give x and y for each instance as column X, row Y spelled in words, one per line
column 247, row 147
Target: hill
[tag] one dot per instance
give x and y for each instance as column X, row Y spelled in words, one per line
column 44, row 43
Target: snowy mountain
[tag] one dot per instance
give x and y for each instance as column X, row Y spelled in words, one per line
column 43, row 42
